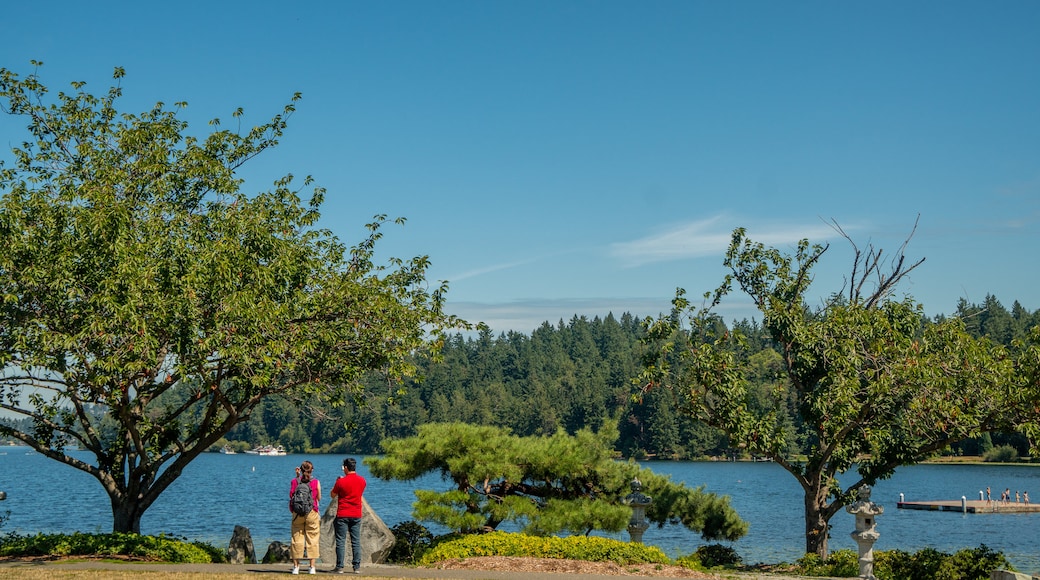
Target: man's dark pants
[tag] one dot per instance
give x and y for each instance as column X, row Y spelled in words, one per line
column 342, row 527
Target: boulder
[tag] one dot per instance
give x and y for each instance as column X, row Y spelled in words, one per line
column 277, row 553
column 376, row 537
column 240, row 549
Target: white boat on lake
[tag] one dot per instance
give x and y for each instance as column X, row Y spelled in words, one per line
column 269, row 450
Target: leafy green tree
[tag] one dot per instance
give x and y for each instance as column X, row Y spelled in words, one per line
column 873, row 387
column 545, row 484
column 137, row 278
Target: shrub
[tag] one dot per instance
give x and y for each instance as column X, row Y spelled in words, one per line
column 159, row 548
column 520, row 545
column 890, row 564
column 692, row 562
column 924, row 563
column 972, row 564
column 808, row 564
column 967, row 564
column 713, row 555
column 1001, row 454
column 413, row 540
column 841, row 563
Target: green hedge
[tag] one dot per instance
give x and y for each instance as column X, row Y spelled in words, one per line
column 925, row 564
column 159, row 548
column 519, row 545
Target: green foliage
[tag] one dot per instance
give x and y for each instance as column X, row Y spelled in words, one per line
column 561, row 483
column 713, row 555
column 973, row 564
column 148, row 305
column 1001, row 454
column 592, row 549
column 151, row 548
column 842, row 563
column 925, row 564
column 900, row 565
column 861, row 382
column 691, row 562
column 412, row 540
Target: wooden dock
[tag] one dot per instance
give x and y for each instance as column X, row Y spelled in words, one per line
column 971, row 506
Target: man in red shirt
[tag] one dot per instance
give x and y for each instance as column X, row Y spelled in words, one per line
column 347, row 495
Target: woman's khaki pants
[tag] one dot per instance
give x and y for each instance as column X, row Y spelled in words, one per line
column 305, row 533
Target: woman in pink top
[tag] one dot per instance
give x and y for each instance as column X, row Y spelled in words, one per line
column 305, row 529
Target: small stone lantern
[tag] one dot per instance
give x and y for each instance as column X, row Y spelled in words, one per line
column 638, row 502
column 866, row 534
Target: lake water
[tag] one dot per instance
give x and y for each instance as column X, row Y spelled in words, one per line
column 217, row 492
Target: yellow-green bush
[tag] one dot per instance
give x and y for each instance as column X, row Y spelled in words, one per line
column 840, row 563
column 520, row 545
column 159, row 548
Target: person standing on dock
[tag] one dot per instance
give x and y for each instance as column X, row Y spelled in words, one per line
column 1025, row 496
column 989, row 498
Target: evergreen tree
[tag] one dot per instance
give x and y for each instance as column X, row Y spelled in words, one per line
column 544, row 484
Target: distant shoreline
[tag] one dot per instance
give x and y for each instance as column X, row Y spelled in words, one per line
column 943, row 460
column 977, row 460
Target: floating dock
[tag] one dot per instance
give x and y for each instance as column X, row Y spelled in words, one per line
column 971, row 506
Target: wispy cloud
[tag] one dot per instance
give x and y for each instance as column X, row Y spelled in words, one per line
column 488, row 269
column 711, row 237
column 515, row 263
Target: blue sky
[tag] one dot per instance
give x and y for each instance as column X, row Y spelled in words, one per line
column 558, row 157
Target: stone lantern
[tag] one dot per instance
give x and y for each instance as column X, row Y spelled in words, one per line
column 866, row 534
column 638, row 502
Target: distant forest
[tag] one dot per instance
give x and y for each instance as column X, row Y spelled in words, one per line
column 564, row 376
column 568, row 375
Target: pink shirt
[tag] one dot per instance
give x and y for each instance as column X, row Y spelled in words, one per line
column 314, row 491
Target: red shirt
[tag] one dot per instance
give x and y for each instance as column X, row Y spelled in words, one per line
column 348, row 490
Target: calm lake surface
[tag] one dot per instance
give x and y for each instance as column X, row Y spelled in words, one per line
column 217, row 492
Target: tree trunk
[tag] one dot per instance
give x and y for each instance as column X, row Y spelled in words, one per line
column 126, row 515
column 816, row 526
column 126, row 518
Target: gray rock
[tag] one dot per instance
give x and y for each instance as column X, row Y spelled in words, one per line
column 240, row 549
column 277, row 553
column 376, row 537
